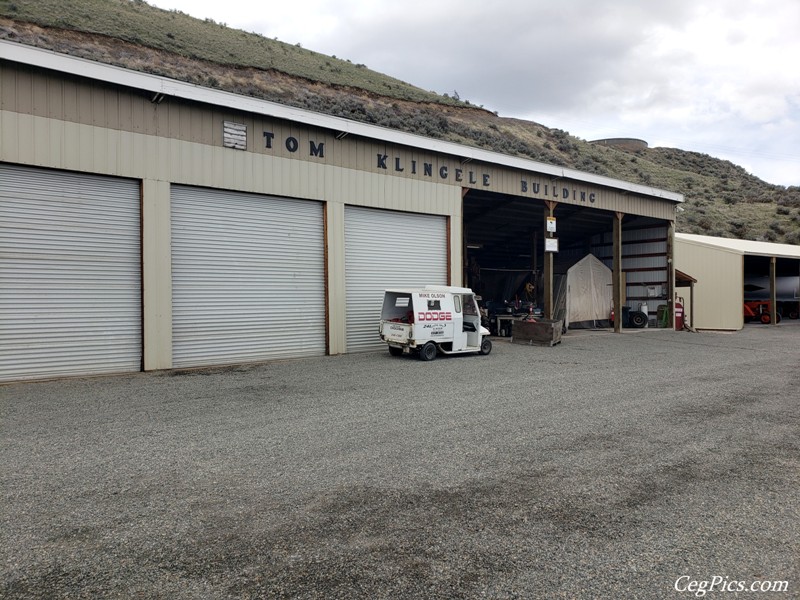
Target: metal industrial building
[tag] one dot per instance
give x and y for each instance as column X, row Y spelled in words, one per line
column 726, row 271
column 147, row 223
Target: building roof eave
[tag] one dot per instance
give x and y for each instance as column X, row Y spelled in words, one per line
column 744, row 247
column 156, row 84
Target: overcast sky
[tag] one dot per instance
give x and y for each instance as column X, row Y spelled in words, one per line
column 715, row 76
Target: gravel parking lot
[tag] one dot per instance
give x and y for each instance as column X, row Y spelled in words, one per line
column 607, row 467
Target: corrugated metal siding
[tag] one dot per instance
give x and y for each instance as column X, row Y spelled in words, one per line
column 386, row 249
column 70, row 277
column 719, row 291
column 34, row 92
column 644, row 261
column 41, row 141
column 248, row 277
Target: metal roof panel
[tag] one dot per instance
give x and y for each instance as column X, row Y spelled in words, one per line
column 748, row 247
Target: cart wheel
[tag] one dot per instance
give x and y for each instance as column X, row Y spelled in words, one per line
column 395, row 351
column 793, row 314
column 638, row 319
column 428, row 351
column 486, row 346
column 765, row 318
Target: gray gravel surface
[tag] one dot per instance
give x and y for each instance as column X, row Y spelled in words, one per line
column 606, row 467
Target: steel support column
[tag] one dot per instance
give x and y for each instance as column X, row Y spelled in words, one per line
column 617, row 271
column 773, row 291
column 671, row 293
column 547, row 275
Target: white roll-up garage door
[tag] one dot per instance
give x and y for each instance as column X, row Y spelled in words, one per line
column 248, row 277
column 385, row 249
column 70, row 274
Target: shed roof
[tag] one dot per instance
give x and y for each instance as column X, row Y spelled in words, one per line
column 744, row 247
column 157, row 85
column 444, row 289
column 682, row 279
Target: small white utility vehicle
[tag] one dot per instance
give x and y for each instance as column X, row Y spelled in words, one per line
column 433, row 319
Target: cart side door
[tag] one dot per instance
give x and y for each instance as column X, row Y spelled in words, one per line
column 459, row 335
column 472, row 320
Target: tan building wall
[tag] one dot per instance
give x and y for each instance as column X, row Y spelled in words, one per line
column 52, row 143
column 35, row 93
column 64, row 122
column 718, row 293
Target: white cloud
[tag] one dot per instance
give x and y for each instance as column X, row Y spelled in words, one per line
column 714, row 76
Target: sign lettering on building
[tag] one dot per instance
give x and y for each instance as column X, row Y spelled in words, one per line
column 440, row 169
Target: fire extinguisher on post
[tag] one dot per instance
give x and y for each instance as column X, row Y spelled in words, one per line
column 679, row 314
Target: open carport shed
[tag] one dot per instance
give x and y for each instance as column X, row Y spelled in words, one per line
column 507, row 261
column 730, row 272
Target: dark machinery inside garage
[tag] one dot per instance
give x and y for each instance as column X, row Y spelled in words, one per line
column 504, row 240
column 504, row 247
column 757, row 291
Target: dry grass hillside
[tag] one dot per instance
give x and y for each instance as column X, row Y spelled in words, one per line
column 721, row 198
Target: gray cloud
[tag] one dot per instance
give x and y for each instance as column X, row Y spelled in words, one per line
column 519, row 55
column 715, row 76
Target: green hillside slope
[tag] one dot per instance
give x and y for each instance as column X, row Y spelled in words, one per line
column 721, row 198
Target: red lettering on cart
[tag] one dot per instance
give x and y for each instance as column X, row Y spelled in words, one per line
column 434, row 316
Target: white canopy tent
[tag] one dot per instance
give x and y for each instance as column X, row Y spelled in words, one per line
column 589, row 296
